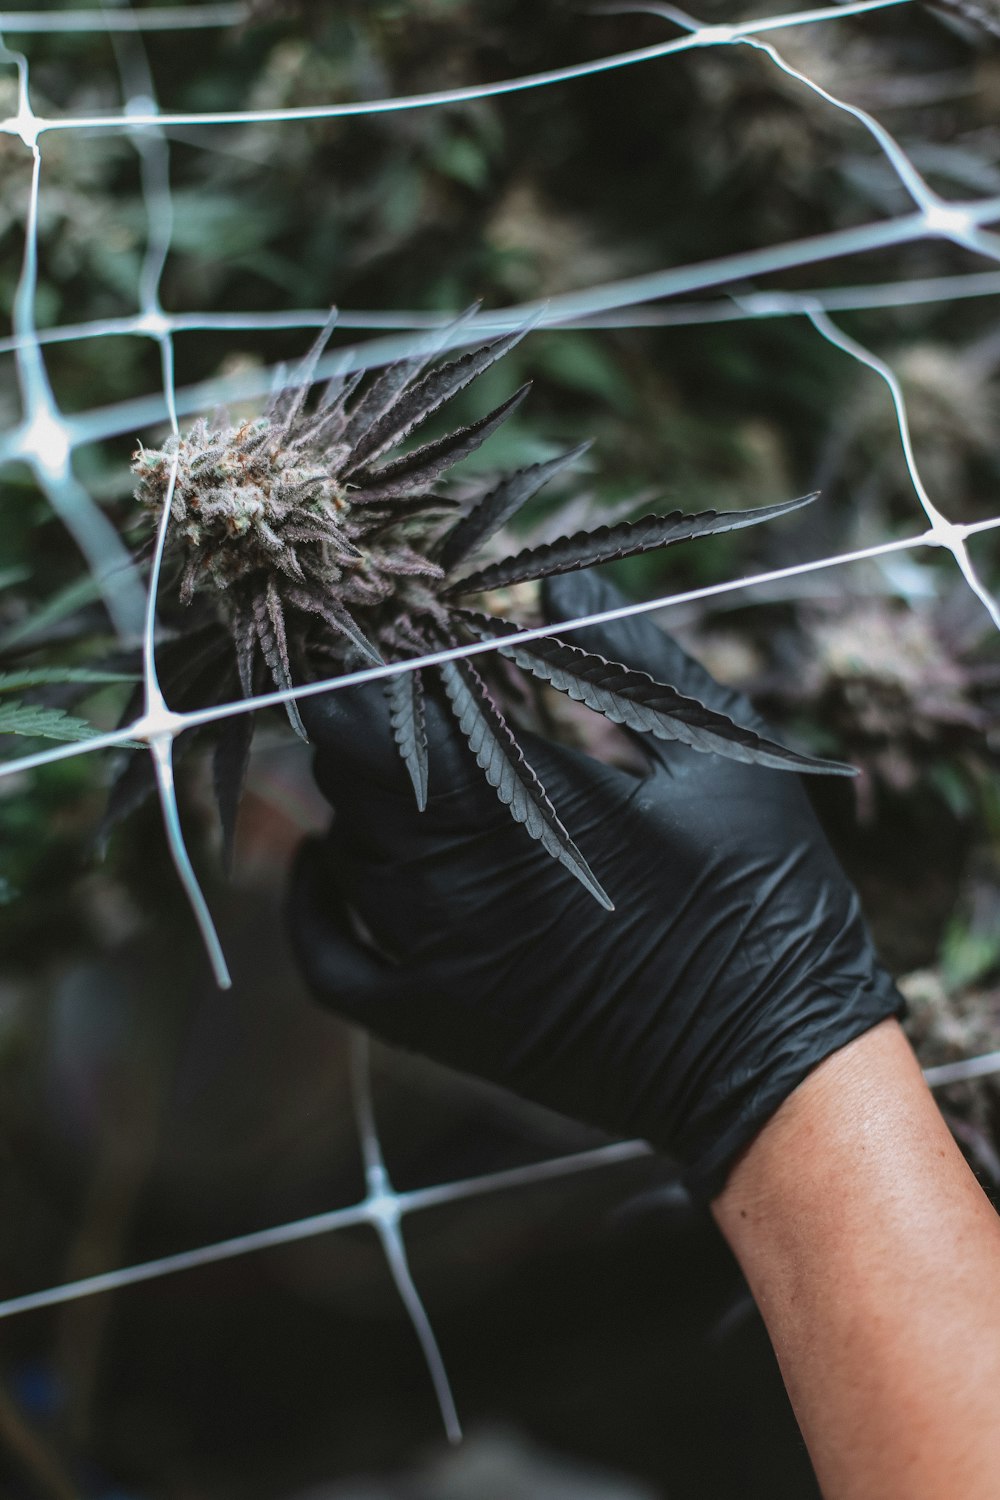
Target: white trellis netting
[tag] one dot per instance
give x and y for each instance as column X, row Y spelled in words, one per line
column 46, row 439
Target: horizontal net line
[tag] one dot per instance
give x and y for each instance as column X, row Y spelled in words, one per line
column 705, row 37
column 160, row 18
column 409, row 1201
column 369, row 1209
column 985, row 1065
column 736, row 308
column 146, row 411
column 382, row 1208
column 171, row 724
column 44, row 440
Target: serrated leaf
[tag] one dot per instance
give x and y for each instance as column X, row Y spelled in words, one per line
column 389, row 513
column 244, row 635
column 32, row 677
column 516, row 784
column 378, row 400
column 405, row 696
column 338, row 618
column 416, row 403
column 587, row 548
column 229, row 774
column 496, row 508
column 416, row 470
column 639, row 702
column 44, row 723
column 331, row 417
column 269, row 622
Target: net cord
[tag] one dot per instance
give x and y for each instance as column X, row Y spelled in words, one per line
column 45, row 438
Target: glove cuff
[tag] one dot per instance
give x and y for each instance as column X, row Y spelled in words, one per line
column 825, row 1022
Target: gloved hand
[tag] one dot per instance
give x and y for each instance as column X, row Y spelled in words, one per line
column 735, row 961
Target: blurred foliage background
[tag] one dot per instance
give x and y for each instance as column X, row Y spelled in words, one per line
column 599, row 1338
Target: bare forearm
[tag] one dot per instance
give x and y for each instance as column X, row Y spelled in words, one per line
column 875, row 1260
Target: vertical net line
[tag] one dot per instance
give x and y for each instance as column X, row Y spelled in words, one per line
column 158, row 725
column 922, row 194
column 384, row 1209
column 939, row 215
column 958, row 223
column 42, row 438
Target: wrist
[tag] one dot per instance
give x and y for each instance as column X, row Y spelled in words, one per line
column 834, row 1112
column 875, row 1260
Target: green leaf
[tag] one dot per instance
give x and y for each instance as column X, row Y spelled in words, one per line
column 32, row 677
column 44, row 723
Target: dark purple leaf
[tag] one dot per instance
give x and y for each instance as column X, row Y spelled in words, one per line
column 424, row 465
column 496, row 508
column 244, row 635
column 586, row 548
column 287, row 405
column 415, row 404
column 517, row 786
column 379, row 401
column 269, row 621
column 378, row 518
column 338, row 618
column 405, row 695
column 331, row 417
column 639, row 702
column 229, row 774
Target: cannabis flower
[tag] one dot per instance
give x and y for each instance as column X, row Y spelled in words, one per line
column 300, row 548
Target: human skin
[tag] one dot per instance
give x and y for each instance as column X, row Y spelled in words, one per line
column 748, row 1041
column 874, row 1257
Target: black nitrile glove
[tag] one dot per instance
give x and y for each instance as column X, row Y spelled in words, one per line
column 735, row 961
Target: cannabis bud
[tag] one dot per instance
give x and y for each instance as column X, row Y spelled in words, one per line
column 302, row 548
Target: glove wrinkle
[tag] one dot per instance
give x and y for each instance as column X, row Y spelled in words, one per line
column 735, row 961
